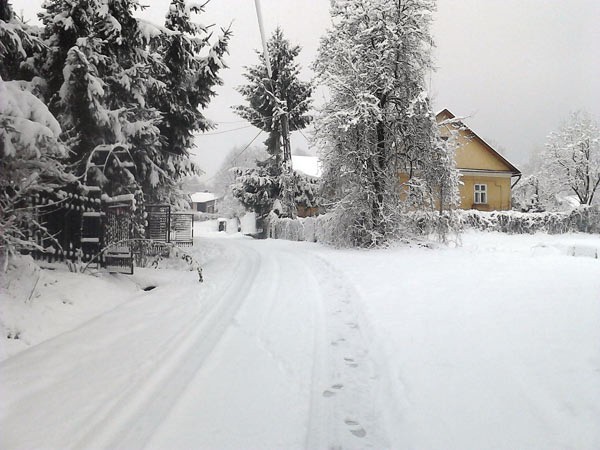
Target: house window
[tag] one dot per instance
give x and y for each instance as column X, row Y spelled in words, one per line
column 481, row 194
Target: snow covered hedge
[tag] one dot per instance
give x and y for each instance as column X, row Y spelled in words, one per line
column 321, row 229
column 326, row 228
column 585, row 219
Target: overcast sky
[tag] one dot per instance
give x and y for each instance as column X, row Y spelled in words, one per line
column 516, row 68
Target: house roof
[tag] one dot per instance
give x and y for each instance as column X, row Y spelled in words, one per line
column 308, row 165
column 445, row 113
column 203, row 197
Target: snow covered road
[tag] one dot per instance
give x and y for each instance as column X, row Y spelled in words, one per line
column 287, row 345
column 249, row 348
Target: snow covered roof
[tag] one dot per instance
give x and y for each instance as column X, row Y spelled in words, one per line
column 203, row 197
column 308, row 165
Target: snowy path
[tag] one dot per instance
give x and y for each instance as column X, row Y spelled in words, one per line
column 271, row 345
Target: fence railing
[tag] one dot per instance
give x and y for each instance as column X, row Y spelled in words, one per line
column 165, row 225
column 75, row 224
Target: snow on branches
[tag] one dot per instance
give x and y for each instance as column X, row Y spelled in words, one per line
column 28, row 129
column 571, row 159
column 378, row 123
column 115, row 80
column 278, row 103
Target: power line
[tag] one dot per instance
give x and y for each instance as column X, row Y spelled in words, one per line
column 247, row 146
column 303, row 135
column 236, row 156
column 230, row 122
column 225, row 131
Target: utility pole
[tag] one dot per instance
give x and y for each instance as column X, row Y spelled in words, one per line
column 287, row 200
column 262, row 37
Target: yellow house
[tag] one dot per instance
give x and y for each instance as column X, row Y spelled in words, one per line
column 485, row 174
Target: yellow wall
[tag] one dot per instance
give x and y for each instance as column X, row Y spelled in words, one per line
column 474, row 153
column 498, row 192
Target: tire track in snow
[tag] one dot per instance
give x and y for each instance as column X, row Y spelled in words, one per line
column 255, row 388
column 132, row 420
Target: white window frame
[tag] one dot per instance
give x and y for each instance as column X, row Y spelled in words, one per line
column 480, row 194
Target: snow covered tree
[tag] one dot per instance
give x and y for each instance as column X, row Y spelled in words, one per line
column 189, row 81
column 127, row 92
column 18, row 45
column 98, row 71
column 277, row 104
column 30, row 149
column 30, row 162
column 571, row 159
column 282, row 94
column 257, row 189
column 378, row 124
column 237, row 161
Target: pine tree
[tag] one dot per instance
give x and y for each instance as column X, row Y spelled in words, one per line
column 187, row 83
column 30, row 149
column 128, row 92
column 378, row 122
column 274, row 102
column 97, row 76
column 18, row 45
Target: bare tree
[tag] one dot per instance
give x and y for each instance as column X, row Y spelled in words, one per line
column 571, row 159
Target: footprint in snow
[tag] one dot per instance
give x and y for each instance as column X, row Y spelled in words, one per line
column 337, row 342
column 353, row 325
column 328, row 393
column 350, row 362
column 355, row 428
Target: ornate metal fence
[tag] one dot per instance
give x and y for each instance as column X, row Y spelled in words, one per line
column 75, row 224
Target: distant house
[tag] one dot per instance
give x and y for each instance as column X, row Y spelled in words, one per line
column 206, row 202
column 308, row 165
column 485, row 174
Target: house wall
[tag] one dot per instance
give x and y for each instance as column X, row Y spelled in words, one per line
column 473, row 154
column 206, row 207
column 498, row 192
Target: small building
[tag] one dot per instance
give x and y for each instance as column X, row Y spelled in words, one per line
column 486, row 176
column 308, row 165
column 206, row 202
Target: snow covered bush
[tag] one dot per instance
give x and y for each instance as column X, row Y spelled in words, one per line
column 287, row 228
column 584, row 219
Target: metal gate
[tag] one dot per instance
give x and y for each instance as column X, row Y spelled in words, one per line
column 159, row 222
column 182, row 229
column 118, row 256
column 167, row 226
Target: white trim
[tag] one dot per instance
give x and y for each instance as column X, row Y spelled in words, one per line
column 473, row 172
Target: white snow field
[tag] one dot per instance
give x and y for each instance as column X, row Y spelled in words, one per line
column 494, row 344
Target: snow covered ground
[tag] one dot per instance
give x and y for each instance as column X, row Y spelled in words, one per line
column 493, row 344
